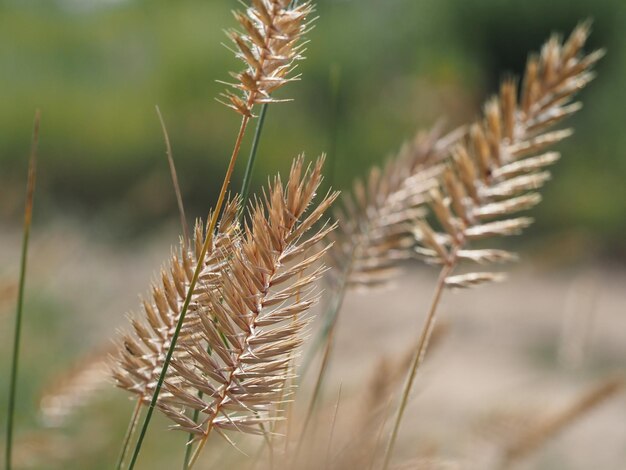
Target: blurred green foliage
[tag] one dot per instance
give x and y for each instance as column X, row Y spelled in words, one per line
column 96, row 68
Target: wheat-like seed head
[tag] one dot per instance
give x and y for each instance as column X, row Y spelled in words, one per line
column 138, row 363
column 497, row 170
column 251, row 326
column 269, row 44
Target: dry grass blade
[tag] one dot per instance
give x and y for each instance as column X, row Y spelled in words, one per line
column 253, row 322
column 74, row 388
column 269, row 44
column 174, row 175
column 141, row 352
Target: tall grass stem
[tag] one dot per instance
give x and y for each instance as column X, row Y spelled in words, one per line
column 130, row 432
column 420, row 352
column 247, row 177
column 28, row 216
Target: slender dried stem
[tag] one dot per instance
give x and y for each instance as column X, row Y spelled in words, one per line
column 170, row 160
column 130, row 431
column 317, row 390
column 328, row 337
column 192, row 286
column 332, row 429
column 28, row 215
column 420, row 353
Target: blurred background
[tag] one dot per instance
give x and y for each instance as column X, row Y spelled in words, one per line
column 375, row 72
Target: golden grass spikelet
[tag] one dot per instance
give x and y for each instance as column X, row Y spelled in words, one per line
column 141, row 352
column 269, row 44
column 496, row 170
column 251, row 326
column 375, row 221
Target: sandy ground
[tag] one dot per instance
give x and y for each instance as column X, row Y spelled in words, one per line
column 526, row 347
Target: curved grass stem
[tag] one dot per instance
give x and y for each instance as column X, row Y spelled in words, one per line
column 420, row 352
column 170, row 161
column 130, row 432
column 28, row 215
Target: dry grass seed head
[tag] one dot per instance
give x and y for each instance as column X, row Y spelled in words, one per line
column 375, row 222
column 269, row 43
column 495, row 172
column 254, row 322
column 142, row 351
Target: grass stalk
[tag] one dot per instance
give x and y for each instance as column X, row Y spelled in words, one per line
column 194, row 280
column 130, row 432
column 28, row 215
column 247, row 177
column 189, row 445
column 420, row 353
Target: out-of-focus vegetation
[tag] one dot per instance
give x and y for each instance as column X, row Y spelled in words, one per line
column 375, row 71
